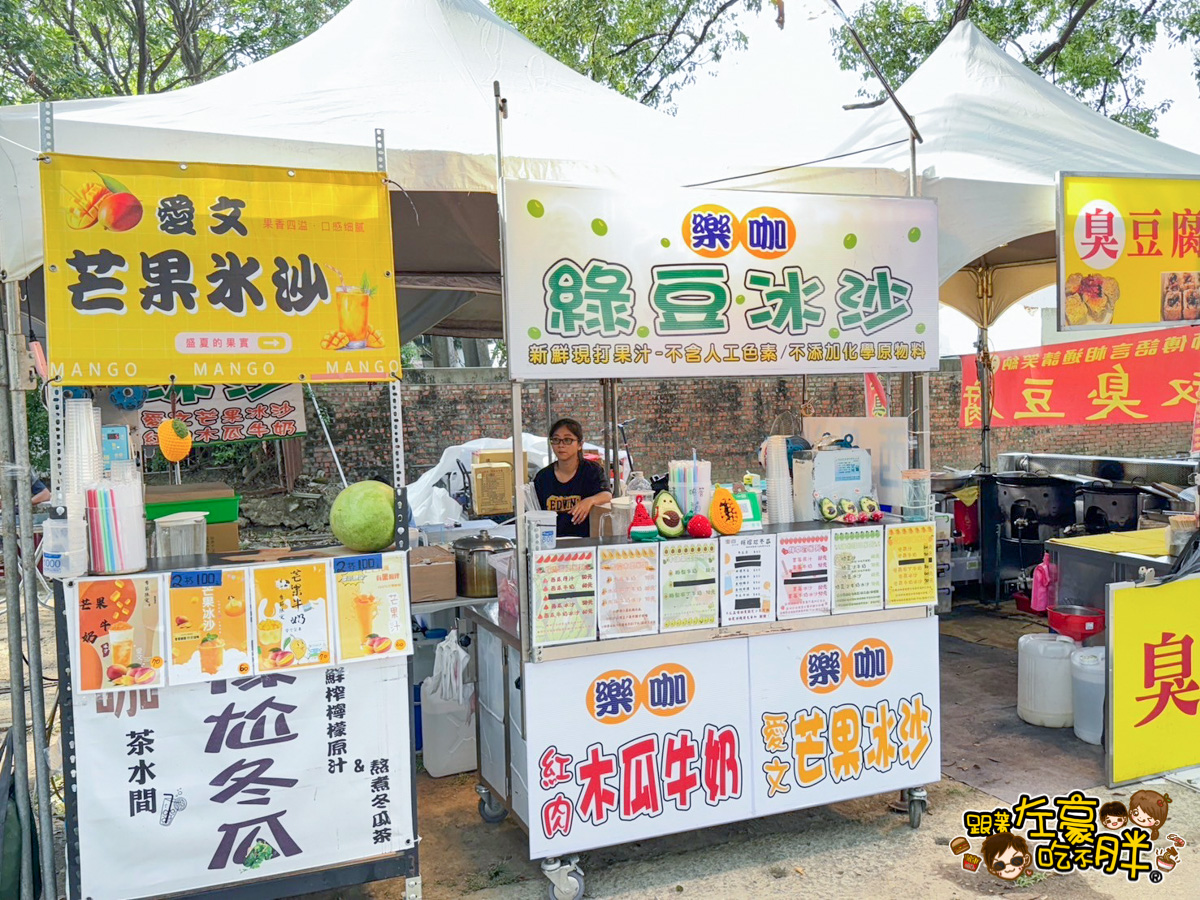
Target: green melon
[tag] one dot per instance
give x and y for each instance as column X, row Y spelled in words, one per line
column 363, row 516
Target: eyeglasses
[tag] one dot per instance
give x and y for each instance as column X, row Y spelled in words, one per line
column 1016, row 862
column 562, row 442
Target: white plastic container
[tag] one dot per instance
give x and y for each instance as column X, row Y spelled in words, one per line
column 64, row 548
column 1044, row 680
column 448, row 734
column 1088, row 678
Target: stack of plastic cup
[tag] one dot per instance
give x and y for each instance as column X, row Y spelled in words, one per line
column 779, row 481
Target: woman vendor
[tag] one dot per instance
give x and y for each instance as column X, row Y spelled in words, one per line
column 571, row 485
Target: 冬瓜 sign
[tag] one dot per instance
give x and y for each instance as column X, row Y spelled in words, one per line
column 160, row 272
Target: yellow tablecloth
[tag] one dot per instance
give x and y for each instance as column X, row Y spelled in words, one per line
column 1147, row 542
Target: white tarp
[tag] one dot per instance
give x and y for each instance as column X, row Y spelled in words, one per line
column 422, row 70
column 994, row 136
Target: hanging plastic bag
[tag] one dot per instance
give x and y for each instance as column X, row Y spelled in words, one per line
column 449, row 663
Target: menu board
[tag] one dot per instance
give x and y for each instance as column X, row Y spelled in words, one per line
column 857, row 569
column 208, row 625
column 373, row 618
column 803, row 574
column 119, row 637
column 688, row 598
column 564, row 596
column 627, row 590
column 911, row 568
column 291, row 616
column 747, row 579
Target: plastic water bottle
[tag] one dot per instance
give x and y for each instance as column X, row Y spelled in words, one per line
column 639, row 486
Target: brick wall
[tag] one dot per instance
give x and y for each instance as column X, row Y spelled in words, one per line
column 725, row 420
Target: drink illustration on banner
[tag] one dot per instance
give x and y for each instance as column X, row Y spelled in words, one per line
column 373, row 614
column 291, row 605
column 208, row 625
column 119, row 626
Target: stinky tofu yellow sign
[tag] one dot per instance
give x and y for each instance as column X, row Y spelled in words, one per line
column 1128, row 250
column 202, row 273
column 1153, row 721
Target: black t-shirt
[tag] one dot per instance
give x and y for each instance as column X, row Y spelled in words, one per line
column 560, row 497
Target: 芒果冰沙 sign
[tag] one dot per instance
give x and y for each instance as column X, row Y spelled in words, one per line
column 684, row 283
column 1128, row 250
column 160, row 272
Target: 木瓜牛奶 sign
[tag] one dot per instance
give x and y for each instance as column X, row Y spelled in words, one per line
column 160, row 272
column 1128, row 250
column 224, row 414
column 687, row 282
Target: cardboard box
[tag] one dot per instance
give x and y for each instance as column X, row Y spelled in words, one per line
column 178, row 493
column 431, row 574
column 222, row 538
column 498, row 456
column 491, row 488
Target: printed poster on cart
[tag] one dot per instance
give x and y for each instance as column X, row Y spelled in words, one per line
column 911, row 569
column 747, row 579
column 209, row 625
column 857, row 569
column 564, row 596
column 803, row 574
column 292, row 621
column 374, row 618
column 191, row 787
column 688, row 597
column 117, row 629
column 862, row 718
column 627, row 591
column 689, row 283
column 628, row 747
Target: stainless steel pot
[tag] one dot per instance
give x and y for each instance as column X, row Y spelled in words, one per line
column 473, row 576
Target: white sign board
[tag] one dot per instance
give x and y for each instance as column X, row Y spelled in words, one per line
column 747, row 579
column 635, row 745
column 838, row 713
column 201, row 785
column 686, row 283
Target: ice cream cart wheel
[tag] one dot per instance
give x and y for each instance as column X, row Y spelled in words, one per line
column 917, row 803
column 491, row 812
column 575, row 890
column 566, row 878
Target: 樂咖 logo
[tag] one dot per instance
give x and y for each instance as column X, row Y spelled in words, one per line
column 615, row 696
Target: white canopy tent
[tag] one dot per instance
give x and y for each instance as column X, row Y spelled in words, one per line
column 995, row 135
column 422, row 70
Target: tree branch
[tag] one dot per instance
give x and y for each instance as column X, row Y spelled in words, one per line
column 670, row 36
column 961, row 11
column 698, row 42
column 1053, row 48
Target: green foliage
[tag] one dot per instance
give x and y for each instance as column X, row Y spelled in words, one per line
column 65, row 49
column 39, row 433
column 1090, row 49
column 646, row 49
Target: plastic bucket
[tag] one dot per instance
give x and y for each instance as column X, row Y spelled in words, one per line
column 1044, row 680
column 1088, row 680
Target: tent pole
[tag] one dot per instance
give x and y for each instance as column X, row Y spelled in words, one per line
column 983, row 365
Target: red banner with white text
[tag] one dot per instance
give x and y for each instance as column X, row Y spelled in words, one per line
column 1140, row 378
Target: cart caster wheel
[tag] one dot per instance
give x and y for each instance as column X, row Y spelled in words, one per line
column 576, row 879
column 493, row 815
column 916, row 809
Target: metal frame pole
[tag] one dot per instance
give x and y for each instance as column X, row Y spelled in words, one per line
column 12, row 585
column 19, row 375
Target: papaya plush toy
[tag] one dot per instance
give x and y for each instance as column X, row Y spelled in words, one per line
column 724, row 512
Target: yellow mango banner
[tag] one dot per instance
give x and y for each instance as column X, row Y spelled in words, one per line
column 203, row 273
column 1128, row 250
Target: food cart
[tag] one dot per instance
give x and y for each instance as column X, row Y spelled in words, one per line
column 633, row 689
column 221, row 721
